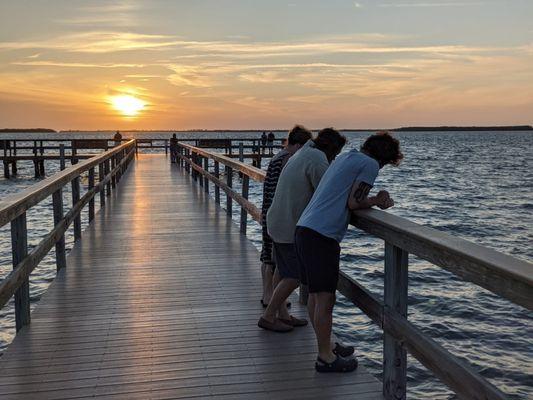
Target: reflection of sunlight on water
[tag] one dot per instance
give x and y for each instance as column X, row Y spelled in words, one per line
column 482, row 195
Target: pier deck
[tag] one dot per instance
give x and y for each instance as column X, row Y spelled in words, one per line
column 160, row 299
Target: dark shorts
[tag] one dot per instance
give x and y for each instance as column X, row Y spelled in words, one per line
column 266, row 250
column 286, row 260
column 319, row 257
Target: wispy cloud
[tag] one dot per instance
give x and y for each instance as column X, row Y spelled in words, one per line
column 434, row 4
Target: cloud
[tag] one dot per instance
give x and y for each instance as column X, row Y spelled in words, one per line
column 75, row 64
column 440, row 4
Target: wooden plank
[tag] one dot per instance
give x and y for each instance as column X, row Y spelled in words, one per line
column 137, row 314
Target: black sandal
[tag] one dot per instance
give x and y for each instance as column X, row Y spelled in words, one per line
column 339, row 365
column 343, row 351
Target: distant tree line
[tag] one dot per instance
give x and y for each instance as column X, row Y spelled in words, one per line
column 30, row 130
column 464, row 128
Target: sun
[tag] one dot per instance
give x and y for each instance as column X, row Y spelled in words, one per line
column 128, row 105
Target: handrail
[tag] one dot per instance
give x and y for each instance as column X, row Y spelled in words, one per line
column 111, row 165
column 504, row 275
column 14, row 205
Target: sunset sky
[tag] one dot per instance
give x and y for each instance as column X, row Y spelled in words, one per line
column 162, row 64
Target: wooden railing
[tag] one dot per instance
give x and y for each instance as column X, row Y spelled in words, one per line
column 111, row 165
column 501, row 274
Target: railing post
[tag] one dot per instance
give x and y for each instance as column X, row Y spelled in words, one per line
column 113, row 162
column 101, row 175
column 75, row 198
column 91, row 202
column 394, row 353
column 206, row 169
column 199, row 163
column 244, row 213
column 229, row 182
column 241, row 152
column 217, row 188
column 57, row 200
column 61, row 156
column 19, row 245
column 108, row 185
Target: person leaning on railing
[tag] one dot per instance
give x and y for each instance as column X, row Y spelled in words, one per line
column 297, row 137
column 323, row 224
column 298, row 181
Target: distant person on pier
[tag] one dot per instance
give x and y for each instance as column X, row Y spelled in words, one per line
column 297, row 137
column 173, row 149
column 297, row 182
column 117, row 138
column 270, row 143
column 344, row 187
column 264, row 139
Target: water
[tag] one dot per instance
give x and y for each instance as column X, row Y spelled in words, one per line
column 475, row 185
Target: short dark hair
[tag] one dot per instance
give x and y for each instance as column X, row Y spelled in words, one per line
column 299, row 135
column 384, row 148
column 330, row 141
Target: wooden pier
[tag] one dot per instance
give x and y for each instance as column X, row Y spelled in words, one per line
column 159, row 297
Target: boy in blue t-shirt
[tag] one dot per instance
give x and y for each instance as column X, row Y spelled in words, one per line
column 323, row 224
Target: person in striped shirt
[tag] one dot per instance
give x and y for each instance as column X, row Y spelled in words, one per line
column 297, row 137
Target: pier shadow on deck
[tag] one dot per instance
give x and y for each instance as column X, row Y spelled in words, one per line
column 160, row 300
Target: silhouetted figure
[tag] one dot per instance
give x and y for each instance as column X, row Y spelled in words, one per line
column 173, row 149
column 263, row 141
column 117, row 138
column 270, row 142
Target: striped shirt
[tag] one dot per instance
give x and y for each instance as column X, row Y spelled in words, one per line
column 271, row 179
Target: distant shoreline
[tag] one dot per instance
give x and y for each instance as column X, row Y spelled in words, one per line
column 402, row 129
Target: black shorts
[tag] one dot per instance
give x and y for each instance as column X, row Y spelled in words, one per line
column 286, row 260
column 319, row 258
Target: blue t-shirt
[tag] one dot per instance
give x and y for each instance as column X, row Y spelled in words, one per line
column 327, row 213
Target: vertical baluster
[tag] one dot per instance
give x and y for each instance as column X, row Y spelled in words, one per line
column 91, row 202
column 394, row 354
column 75, row 199
column 229, row 182
column 199, row 163
column 217, row 188
column 57, row 200
column 19, row 245
column 113, row 163
column 108, row 185
column 101, row 175
column 241, row 151
column 244, row 214
column 61, row 156
column 206, row 168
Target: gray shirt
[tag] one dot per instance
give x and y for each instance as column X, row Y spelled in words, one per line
column 298, row 181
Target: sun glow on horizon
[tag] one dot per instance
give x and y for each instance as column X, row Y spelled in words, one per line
column 128, row 106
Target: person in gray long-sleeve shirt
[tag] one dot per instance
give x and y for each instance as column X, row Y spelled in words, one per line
column 298, row 181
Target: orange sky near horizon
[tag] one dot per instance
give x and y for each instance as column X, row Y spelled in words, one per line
column 264, row 65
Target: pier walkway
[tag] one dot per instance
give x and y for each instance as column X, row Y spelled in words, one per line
column 160, row 299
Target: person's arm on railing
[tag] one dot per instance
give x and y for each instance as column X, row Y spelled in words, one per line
column 359, row 199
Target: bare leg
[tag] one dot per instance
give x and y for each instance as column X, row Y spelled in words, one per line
column 275, row 279
column 283, row 290
column 266, row 274
column 311, row 304
column 323, row 324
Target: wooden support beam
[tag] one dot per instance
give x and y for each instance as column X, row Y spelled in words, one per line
column 244, row 214
column 217, row 188
column 61, row 257
column 91, row 202
column 229, row 182
column 75, row 200
column 394, row 352
column 19, row 245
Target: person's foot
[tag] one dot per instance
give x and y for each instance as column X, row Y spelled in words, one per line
column 275, row 326
column 293, row 321
column 340, row 364
column 343, row 351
